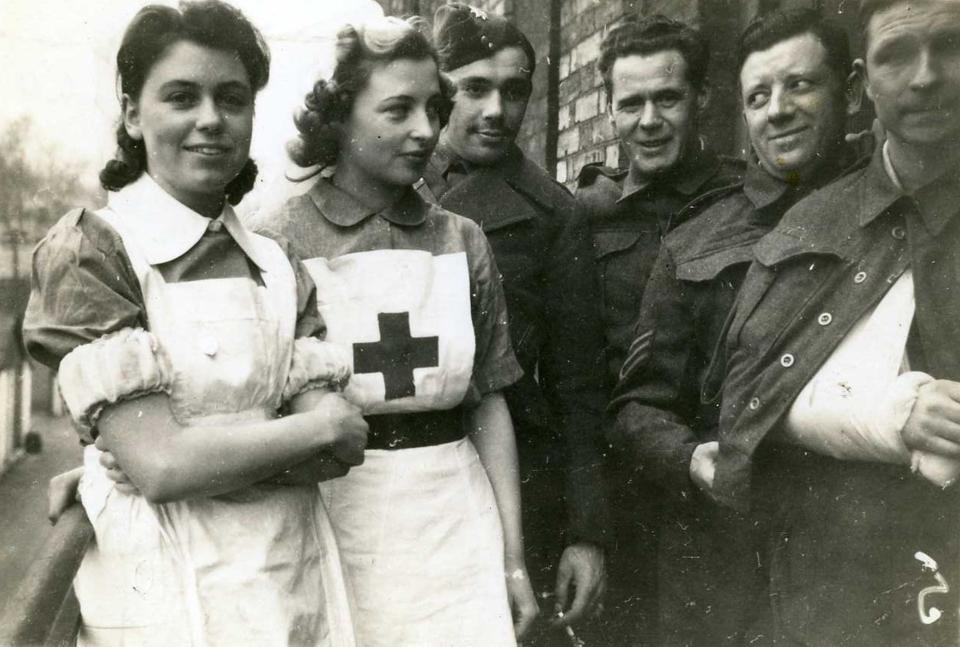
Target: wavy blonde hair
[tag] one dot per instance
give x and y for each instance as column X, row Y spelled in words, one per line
column 358, row 49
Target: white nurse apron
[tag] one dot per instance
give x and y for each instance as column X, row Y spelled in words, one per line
column 258, row 566
column 418, row 528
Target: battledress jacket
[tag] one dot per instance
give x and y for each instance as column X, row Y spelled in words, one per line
column 707, row 584
column 660, row 418
column 627, row 224
column 543, row 253
column 842, row 534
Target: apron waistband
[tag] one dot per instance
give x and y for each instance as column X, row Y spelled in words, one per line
column 419, row 429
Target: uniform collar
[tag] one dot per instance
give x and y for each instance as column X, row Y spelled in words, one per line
column 686, row 179
column 827, row 220
column 764, row 190
column 938, row 202
column 878, row 191
column 761, row 188
column 341, row 208
column 165, row 228
column 446, row 160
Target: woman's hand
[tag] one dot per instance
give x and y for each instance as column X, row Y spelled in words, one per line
column 62, row 493
column 523, row 602
column 115, row 473
column 344, row 420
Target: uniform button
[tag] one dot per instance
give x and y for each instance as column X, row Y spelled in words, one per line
column 860, row 277
column 215, row 225
column 898, row 232
column 787, row 360
column 754, row 404
column 824, row 319
column 209, row 346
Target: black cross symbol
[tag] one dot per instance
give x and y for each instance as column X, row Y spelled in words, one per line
column 396, row 354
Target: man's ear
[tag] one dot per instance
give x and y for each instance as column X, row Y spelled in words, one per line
column 854, row 89
column 862, row 82
column 131, row 117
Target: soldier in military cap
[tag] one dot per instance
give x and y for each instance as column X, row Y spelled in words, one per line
column 543, row 252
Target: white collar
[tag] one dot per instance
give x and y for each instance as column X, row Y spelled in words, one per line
column 165, row 228
column 888, row 167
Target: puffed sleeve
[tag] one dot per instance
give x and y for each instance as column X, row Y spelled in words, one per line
column 117, row 367
column 495, row 366
column 316, row 364
column 83, row 288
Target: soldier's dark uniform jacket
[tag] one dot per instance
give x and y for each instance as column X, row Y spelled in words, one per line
column 628, row 223
column 704, row 554
column 842, row 534
column 543, row 253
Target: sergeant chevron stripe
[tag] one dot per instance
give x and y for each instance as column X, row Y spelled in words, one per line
column 639, row 351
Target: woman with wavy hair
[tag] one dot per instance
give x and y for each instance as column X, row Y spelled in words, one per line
column 178, row 335
column 429, row 525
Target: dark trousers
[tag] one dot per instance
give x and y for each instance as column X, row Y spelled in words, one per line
column 628, row 616
column 840, row 543
column 708, row 579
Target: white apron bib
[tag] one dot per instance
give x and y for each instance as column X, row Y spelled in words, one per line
column 255, row 567
column 419, row 528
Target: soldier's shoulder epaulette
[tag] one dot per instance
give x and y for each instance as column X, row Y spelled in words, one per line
column 589, row 173
column 838, row 196
column 735, row 163
column 598, row 190
column 704, row 201
column 862, row 162
column 538, row 185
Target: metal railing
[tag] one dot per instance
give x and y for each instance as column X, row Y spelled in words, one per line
column 44, row 611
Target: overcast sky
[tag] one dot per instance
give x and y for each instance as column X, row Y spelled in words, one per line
column 56, row 65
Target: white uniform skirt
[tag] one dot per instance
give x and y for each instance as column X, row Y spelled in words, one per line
column 259, row 567
column 421, row 541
